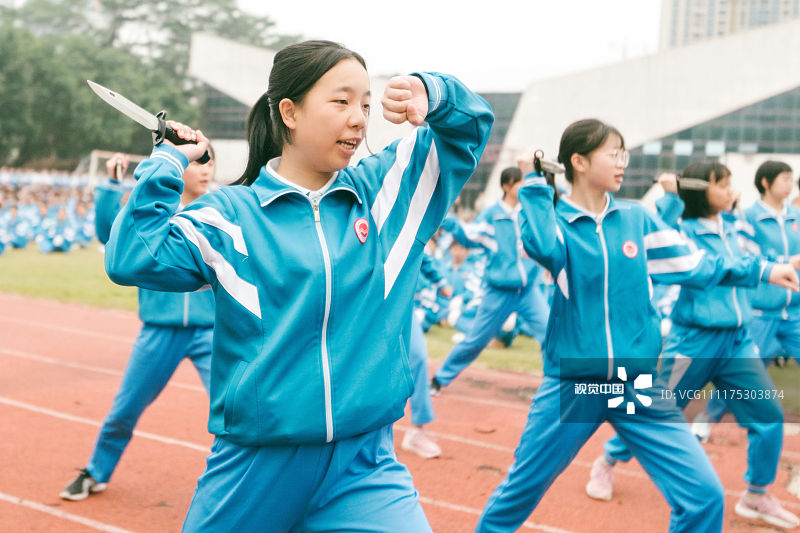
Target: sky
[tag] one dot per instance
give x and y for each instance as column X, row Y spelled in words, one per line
column 491, row 45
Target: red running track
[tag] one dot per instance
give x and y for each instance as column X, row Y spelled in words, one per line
column 61, row 366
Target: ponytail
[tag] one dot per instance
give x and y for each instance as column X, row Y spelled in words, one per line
column 261, row 140
column 548, row 169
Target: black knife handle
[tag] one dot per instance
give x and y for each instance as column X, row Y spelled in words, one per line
column 165, row 132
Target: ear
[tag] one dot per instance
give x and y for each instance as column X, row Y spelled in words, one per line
column 287, row 109
column 765, row 183
column 579, row 162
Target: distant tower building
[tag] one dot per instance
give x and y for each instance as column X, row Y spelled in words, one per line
column 688, row 21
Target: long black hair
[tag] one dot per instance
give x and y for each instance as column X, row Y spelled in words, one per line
column 583, row 137
column 295, row 70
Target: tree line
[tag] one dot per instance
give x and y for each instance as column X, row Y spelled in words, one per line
column 49, row 48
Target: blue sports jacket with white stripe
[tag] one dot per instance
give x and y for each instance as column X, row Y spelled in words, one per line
column 158, row 308
column 313, row 291
column 716, row 307
column 776, row 237
column 602, row 315
column 496, row 230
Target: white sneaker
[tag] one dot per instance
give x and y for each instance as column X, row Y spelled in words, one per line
column 765, row 507
column 601, row 480
column 701, row 427
column 418, row 442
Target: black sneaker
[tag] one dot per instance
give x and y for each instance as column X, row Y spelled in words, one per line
column 435, row 387
column 81, row 487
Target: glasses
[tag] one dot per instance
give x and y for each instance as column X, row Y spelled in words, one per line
column 621, row 158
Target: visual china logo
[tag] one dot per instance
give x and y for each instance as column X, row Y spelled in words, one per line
column 642, row 381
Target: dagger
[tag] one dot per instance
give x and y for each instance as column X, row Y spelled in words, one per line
column 157, row 124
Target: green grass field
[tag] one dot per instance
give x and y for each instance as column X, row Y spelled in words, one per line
column 79, row 277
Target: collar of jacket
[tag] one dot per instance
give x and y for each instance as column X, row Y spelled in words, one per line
column 573, row 212
column 698, row 227
column 268, row 188
column 763, row 211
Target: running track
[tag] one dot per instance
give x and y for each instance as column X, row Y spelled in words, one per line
column 61, row 365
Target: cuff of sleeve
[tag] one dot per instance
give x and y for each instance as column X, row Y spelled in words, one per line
column 437, row 90
column 171, row 155
column 533, row 178
column 766, row 269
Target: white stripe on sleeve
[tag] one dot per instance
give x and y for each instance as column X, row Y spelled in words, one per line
column 243, row 292
column 212, row 217
column 387, row 196
column 662, row 239
column 416, row 211
column 671, row 265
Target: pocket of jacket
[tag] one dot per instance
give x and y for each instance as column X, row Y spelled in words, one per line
column 230, row 393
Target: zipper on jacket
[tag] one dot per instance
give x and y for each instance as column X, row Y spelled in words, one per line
column 315, row 198
column 599, row 231
column 518, row 244
column 735, row 298
column 782, row 224
column 185, row 309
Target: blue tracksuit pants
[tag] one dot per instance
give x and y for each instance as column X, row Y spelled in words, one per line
column 421, row 405
column 727, row 357
column 353, row 485
column 156, row 354
column 497, row 304
column 658, row 436
column 772, row 336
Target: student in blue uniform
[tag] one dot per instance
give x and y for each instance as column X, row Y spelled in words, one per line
column 601, row 252
column 506, row 283
column 175, row 326
column 58, row 233
column 771, row 228
column 313, row 264
column 709, row 341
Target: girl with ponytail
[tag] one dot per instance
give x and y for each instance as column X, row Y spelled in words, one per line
column 313, row 264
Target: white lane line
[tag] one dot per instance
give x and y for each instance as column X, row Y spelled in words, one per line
column 477, row 512
column 65, row 329
column 79, row 366
column 36, row 506
column 90, row 422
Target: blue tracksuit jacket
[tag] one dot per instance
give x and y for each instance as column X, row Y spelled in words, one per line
column 158, row 308
column 715, row 307
column 313, row 291
column 496, row 230
column 601, row 310
column 776, row 237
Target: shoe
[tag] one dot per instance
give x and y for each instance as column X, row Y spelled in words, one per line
column 418, row 442
column 457, row 337
column 765, row 507
column 81, row 487
column 601, row 480
column 435, row 387
column 701, row 427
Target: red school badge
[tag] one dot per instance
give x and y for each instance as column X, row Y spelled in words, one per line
column 630, row 249
column 795, row 227
column 362, row 229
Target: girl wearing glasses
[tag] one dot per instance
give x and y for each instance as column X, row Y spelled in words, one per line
column 313, row 265
column 603, row 338
column 709, row 341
